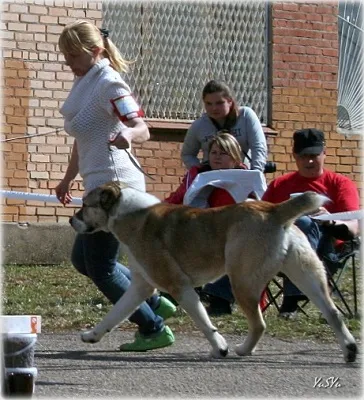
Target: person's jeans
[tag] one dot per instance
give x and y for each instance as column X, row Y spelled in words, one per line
column 96, row 256
column 321, row 243
column 220, row 288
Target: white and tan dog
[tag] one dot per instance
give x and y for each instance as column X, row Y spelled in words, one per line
column 175, row 248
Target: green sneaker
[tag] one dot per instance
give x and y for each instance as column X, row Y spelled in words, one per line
column 141, row 343
column 165, row 309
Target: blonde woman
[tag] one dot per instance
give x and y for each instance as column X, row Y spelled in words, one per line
column 224, row 152
column 100, row 112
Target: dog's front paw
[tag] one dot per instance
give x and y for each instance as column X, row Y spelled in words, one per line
column 220, row 348
column 219, row 353
column 90, row 337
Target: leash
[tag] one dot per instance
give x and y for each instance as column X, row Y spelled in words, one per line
column 59, row 130
column 131, row 158
column 30, row 136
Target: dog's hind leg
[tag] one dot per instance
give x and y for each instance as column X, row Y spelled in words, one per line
column 306, row 271
column 137, row 292
column 248, row 296
column 190, row 302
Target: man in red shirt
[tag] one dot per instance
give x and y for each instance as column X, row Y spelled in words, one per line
column 309, row 154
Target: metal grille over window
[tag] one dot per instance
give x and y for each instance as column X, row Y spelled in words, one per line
column 351, row 68
column 179, row 46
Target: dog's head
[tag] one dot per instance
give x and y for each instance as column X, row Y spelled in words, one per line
column 96, row 208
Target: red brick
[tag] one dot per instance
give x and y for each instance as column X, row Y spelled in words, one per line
column 304, row 92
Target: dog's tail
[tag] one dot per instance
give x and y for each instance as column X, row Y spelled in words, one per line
column 306, row 203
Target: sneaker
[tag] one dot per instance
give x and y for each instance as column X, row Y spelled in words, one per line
column 288, row 315
column 144, row 343
column 166, row 308
column 288, row 309
column 169, row 297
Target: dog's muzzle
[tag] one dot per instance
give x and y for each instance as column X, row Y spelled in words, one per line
column 73, row 222
column 78, row 225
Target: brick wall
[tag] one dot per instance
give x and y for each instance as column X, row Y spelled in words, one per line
column 305, row 65
column 160, row 157
column 35, row 83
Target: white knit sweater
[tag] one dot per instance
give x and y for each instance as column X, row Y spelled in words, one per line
column 90, row 119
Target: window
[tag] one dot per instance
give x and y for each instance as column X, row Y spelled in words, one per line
column 179, row 46
column 350, row 77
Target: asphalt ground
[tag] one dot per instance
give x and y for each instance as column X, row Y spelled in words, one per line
column 69, row 368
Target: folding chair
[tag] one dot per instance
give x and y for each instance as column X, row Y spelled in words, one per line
column 274, row 293
column 347, row 253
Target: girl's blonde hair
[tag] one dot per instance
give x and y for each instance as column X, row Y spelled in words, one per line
column 83, row 36
column 227, row 143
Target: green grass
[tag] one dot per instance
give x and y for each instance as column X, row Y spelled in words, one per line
column 64, row 298
column 68, row 301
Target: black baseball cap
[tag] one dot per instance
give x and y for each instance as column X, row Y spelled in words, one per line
column 308, row 141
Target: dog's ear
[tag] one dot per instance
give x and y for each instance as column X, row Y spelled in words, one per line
column 110, row 194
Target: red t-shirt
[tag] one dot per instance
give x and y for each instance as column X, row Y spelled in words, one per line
column 339, row 188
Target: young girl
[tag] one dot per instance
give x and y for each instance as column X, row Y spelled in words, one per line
column 222, row 112
column 224, row 152
column 100, row 112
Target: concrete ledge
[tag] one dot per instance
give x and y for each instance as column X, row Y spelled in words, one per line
column 37, row 243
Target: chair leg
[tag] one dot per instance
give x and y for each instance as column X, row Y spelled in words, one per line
column 354, row 283
column 300, row 307
column 272, row 298
column 352, row 309
column 337, row 290
column 353, row 265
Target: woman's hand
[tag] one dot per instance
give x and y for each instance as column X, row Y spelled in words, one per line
column 121, row 140
column 63, row 192
column 136, row 131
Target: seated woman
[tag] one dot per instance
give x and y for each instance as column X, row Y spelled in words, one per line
column 224, row 152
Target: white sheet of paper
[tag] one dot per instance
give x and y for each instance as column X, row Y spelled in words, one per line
column 343, row 216
column 238, row 182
